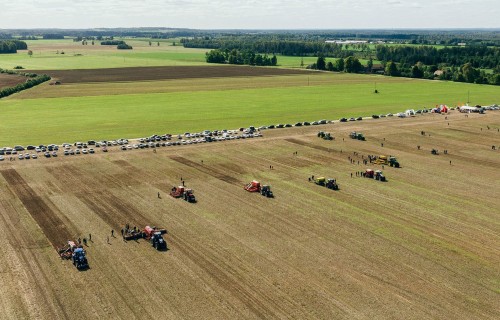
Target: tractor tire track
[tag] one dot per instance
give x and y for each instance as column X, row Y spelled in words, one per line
column 210, row 171
column 32, row 267
column 52, row 226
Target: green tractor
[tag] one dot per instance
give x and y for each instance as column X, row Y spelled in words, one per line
column 357, row 135
column 329, row 183
column 393, row 162
column 325, row 135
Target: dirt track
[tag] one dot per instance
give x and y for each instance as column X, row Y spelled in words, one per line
column 424, row 245
column 162, row 73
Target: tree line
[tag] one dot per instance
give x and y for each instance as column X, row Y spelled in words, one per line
column 240, row 57
column 11, row 46
column 33, row 80
column 270, row 46
column 478, row 56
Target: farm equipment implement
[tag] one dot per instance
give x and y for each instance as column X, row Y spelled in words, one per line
column 255, row 186
column 76, row 253
column 152, row 234
column 329, row 183
column 184, row 193
column 377, row 175
column 391, row 161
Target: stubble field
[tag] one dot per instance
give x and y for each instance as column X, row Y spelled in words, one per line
column 424, row 245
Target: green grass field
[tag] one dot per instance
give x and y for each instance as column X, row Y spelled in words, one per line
column 57, row 120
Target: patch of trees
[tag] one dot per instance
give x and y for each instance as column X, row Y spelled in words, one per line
column 48, row 36
column 240, row 57
column 112, row 42
column 123, row 46
column 477, row 56
column 11, row 46
column 350, row 65
column 274, row 46
column 33, row 80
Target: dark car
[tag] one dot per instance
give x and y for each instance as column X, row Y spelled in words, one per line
column 343, row 120
column 375, row 116
column 307, row 123
column 359, row 118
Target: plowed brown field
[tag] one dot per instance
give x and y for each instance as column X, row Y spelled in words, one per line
column 424, row 245
column 10, row 80
column 163, row 73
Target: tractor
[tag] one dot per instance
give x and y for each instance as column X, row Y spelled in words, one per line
column 154, row 235
column 253, row 186
column 76, row 253
column 329, row 183
column 393, row 162
column 332, row 184
column 266, row 191
column 325, row 135
column 79, row 259
column 379, row 176
column 357, row 135
column 189, row 195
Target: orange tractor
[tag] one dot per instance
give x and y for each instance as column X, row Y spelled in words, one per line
column 184, row 193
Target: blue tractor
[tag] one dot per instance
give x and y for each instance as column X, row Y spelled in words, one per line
column 79, row 259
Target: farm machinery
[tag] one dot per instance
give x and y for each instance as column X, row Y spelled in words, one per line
column 329, row 183
column 76, row 253
column 184, row 193
column 357, row 135
column 391, row 160
column 266, row 191
column 255, row 186
column 152, row 234
column 325, row 135
column 377, row 175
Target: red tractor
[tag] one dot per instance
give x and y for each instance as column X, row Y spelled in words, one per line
column 253, row 186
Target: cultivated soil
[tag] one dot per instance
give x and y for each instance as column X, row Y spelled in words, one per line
column 163, row 73
column 10, row 80
column 423, row 245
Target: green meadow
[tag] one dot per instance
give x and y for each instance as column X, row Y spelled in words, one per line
column 61, row 119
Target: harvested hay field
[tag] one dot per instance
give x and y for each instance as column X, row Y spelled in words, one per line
column 10, row 80
column 163, row 73
column 424, row 245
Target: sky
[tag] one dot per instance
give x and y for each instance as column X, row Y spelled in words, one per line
column 250, row 14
